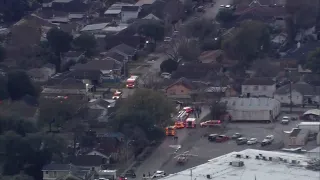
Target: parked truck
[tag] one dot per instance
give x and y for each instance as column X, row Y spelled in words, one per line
column 313, row 127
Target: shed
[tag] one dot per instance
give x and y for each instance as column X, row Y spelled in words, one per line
column 297, row 137
column 252, row 109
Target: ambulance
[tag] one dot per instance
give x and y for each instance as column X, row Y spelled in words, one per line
column 170, row 131
column 191, row 123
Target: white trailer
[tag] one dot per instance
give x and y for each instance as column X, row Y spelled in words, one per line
column 313, row 127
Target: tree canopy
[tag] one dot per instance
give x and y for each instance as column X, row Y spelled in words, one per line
column 152, row 29
column 168, row 65
column 201, row 29
column 251, row 38
column 225, row 15
column 304, row 13
column 4, row 94
column 189, row 50
column 313, row 61
column 146, row 109
column 13, row 10
column 59, row 41
column 85, row 42
column 19, row 85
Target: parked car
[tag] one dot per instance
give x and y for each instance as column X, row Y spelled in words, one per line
column 285, row 120
column 241, row 140
column 165, row 75
column 222, row 138
column 130, row 173
column 267, row 140
column 236, row 136
column 117, row 94
column 252, row 141
column 167, row 39
column 212, row 137
column 159, row 174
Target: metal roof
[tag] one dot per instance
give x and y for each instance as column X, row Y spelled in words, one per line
column 113, row 11
column 249, row 104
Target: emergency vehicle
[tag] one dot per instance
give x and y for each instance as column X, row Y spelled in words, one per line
column 188, row 109
column 179, row 125
column 170, row 131
column 182, row 116
column 191, row 123
column 117, row 94
column 132, row 81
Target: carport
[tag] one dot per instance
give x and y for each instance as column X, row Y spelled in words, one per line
column 312, row 114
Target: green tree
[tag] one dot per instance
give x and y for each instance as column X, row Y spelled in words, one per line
column 211, row 44
column 85, row 42
column 59, row 42
column 19, row 85
column 248, row 41
column 168, row 65
column 17, row 177
column 303, row 13
column 225, row 15
column 201, row 29
column 56, row 113
column 152, row 29
column 13, row 10
column 188, row 5
column 2, row 53
column 16, row 124
column 146, row 109
column 313, row 61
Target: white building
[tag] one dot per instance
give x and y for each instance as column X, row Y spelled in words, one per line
column 297, row 137
column 258, row 86
column 314, row 153
column 252, row 109
column 129, row 13
column 301, row 93
column 251, row 164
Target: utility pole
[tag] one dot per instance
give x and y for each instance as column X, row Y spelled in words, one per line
column 191, row 173
column 290, row 96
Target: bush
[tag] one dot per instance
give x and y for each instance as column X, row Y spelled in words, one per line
column 168, row 66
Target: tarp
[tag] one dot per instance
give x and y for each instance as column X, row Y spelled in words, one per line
column 313, row 112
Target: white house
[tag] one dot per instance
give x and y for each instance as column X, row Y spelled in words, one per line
column 129, row 12
column 252, row 109
column 299, row 93
column 258, row 86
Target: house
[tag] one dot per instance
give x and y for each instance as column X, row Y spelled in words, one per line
column 216, row 57
column 134, row 41
column 74, row 56
column 297, row 137
column 110, row 69
column 299, row 93
column 100, row 108
column 258, row 86
column 252, row 109
column 129, row 13
column 182, row 88
column 93, row 162
column 113, row 56
column 127, row 51
column 55, row 171
column 169, row 11
column 94, row 28
column 38, row 75
column 144, row 2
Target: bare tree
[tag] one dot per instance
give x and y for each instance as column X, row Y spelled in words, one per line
column 185, row 48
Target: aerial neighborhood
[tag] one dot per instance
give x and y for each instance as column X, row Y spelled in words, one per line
column 159, row 89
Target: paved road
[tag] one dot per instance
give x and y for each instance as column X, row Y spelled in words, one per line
column 164, row 152
column 212, row 12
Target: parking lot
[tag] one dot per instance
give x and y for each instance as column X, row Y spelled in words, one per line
column 204, row 150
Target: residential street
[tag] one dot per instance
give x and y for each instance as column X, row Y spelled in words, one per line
column 212, row 12
column 164, row 152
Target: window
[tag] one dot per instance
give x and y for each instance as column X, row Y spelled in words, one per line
column 182, row 91
column 256, row 88
column 265, row 87
column 47, row 172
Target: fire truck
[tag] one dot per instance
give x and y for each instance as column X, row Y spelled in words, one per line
column 170, row 131
column 191, row 123
column 182, row 116
column 132, row 81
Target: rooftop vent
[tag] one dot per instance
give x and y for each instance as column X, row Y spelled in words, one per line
column 237, row 163
column 264, row 158
column 257, row 157
column 208, row 176
column 247, row 157
column 285, row 160
column 238, row 156
column 294, row 162
column 270, row 158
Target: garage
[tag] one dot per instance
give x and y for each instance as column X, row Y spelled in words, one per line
column 252, row 109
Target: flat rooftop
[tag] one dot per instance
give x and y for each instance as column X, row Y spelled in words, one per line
column 254, row 169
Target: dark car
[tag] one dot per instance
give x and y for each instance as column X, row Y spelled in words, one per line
column 222, row 138
column 212, row 137
column 241, row 141
column 130, row 173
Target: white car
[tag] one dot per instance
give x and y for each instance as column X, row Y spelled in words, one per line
column 158, row 174
column 166, row 75
column 252, row 141
column 222, row 6
column 285, row 120
column 167, row 39
column 228, row 6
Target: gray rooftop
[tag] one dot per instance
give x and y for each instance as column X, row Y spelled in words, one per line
column 62, row 1
column 93, row 27
column 301, row 87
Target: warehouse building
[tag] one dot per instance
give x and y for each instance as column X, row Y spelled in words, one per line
column 252, row 109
